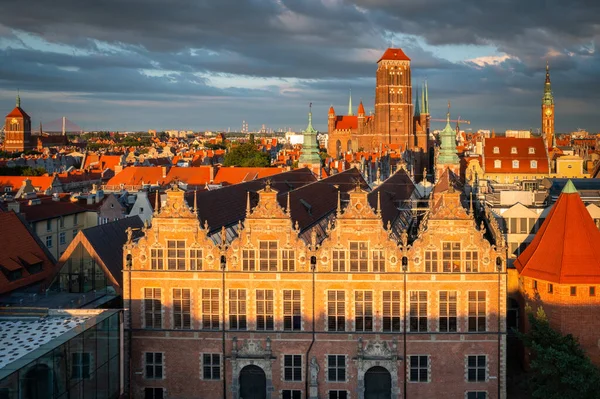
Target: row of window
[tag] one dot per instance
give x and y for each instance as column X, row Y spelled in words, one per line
column 515, row 164
column 452, row 260
column 513, row 150
column 61, row 222
column 62, row 238
column 572, row 289
column 364, row 310
column 418, row 367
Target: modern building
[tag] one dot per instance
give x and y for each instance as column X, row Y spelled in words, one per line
column 342, row 304
column 56, row 354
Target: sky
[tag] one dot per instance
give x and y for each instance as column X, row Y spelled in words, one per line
column 210, row 64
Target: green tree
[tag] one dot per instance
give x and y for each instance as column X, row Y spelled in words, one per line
column 559, row 366
column 33, row 171
column 246, row 155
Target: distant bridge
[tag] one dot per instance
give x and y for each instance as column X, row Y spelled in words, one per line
column 60, row 125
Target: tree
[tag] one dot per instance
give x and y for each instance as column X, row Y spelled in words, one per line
column 559, row 366
column 246, row 155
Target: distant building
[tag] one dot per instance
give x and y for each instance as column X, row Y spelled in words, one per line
column 548, row 111
column 17, row 130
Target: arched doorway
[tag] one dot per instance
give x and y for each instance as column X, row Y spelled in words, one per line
column 37, row 383
column 378, row 383
column 253, row 383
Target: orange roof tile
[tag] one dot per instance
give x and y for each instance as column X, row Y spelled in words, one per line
column 501, row 148
column 566, row 249
column 394, row 54
column 18, row 112
column 238, row 175
column 346, row 122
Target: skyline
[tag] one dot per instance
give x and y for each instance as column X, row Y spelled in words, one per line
column 209, row 66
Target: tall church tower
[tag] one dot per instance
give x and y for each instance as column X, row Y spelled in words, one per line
column 548, row 110
column 17, row 130
column 393, row 100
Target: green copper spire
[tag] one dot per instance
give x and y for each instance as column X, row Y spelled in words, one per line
column 310, row 147
column 417, row 106
column 350, row 104
column 426, row 102
column 447, row 154
column 423, row 100
column 569, row 188
column 18, row 99
column 548, row 98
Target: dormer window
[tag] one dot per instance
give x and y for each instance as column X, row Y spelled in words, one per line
column 497, row 164
column 496, row 150
column 531, row 150
column 515, row 164
column 533, row 164
column 513, row 150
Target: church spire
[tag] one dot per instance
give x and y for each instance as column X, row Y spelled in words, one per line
column 548, row 98
column 310, row 147
column 350, row 104
column 417, row 105
column 18, row 100
column 426, row 100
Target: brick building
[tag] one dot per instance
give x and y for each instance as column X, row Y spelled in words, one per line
column 560, row 271
column 17, row 130
column 316, row 293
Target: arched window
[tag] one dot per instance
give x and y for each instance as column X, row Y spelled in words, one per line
column 497, row 164
column 515, row 164
column 496, row 150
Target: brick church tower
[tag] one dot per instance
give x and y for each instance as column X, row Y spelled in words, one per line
column 548, row 111
column 393, row 99
column 17, row 130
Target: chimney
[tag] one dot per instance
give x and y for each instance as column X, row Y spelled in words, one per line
column 211, row 173
column 164, row 171
column 14, row 206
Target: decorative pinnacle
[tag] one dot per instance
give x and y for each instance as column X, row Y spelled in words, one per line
column 196, row 202
column 248, row 204
column 288, row 210
column 339, row 203
column 350, row 104
column 379, row 203
column 156, row 202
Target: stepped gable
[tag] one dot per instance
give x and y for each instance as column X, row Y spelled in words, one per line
column 566, row 249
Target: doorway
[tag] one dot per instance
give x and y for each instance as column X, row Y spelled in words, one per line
column 253, row 383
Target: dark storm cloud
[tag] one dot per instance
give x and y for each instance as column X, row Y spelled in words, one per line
column 318, row 48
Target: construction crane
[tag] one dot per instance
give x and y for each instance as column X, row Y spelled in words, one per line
column 458, row 122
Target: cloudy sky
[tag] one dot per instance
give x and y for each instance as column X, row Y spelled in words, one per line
column 209, row 64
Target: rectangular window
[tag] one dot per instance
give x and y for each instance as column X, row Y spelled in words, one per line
column 419, row 368
column 210, row 309
column 156, row 258
column 248, row 260
column 152, row 308
column 378, row 260
column 49, row 225
column 476, row 366
column 75, row 221
column 211, row 366
column 431, row 261
column 292, row 367
column 237, row 309
column 471, row 261
column 75, row 231
column 154, row 365
column 288, row 260
column 573, row 291
column 592, row 291
column 391, row 311
column 182, row 317
column 62, row 238
column 534, row 283
column 451, row 257
column 477, row 316
column 418, row 311
column 336, row 368
column 476, row 395
column 154, row 393
column 62, row 222
column 195, row 259
column 523, row 225
column 359, row 257
column 550, row 288
column 292, row 312
column 49, row 242
column 80, row 365
column 336, row 310
column 338, row 395
column 264, row 310
column 176, row 254
column 448, row 311
column 363, row 309
column 339, row 260
column 291, row 394
column 268, row 256
column 513, row 226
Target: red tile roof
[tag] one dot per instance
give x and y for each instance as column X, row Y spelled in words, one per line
column 240, row 175
column 18, row 112
column 394, row 54
column 346, row 122
column 504, row 146
column 49, row 209
column 20, row 250
column 566, row 249
column 40, row 183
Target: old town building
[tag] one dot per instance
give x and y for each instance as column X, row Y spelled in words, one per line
column 548, row 112
column 396, row 122
column 560, row 271
column 343, row 304
column 17, row 130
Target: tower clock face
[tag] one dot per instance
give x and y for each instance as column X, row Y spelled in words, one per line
column 13, row 120
column 548, row 111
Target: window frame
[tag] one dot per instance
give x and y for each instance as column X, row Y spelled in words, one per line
column 209, row 370
column 477, row 318
column 238, row 319
column 417, row 321
column 154, row 365
column 447, row 312
column 477, row 371
column 336, row 368
column 338, row 318
column 265, row 310
column 391, row 314
column 182, row 309
column 207, row 307
column 418, row 371
column 292, row 310
column 153, row 308
column 292, row 363
column 363, row 311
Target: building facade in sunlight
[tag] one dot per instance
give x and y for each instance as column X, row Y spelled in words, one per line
column 356, row 311
column 548, row 111
column 17, row 129
column 395, row 124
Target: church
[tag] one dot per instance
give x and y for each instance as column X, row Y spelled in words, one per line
column 17, row 129
column 396, row 123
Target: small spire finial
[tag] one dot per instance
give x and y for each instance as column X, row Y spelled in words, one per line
column 288, row 209
column 379, row 203
column 18, row 98
column 248, row 203
column 339, row 203
column 156, row 199
column 196, row 202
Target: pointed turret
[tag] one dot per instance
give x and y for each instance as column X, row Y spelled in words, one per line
column 350, row 113
column 310, row 148
column 18, row 100
column 448, row 143
column 361, row 109
column 417, row 105
column 426, row 100
column 548, row 98
column 331, row 111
